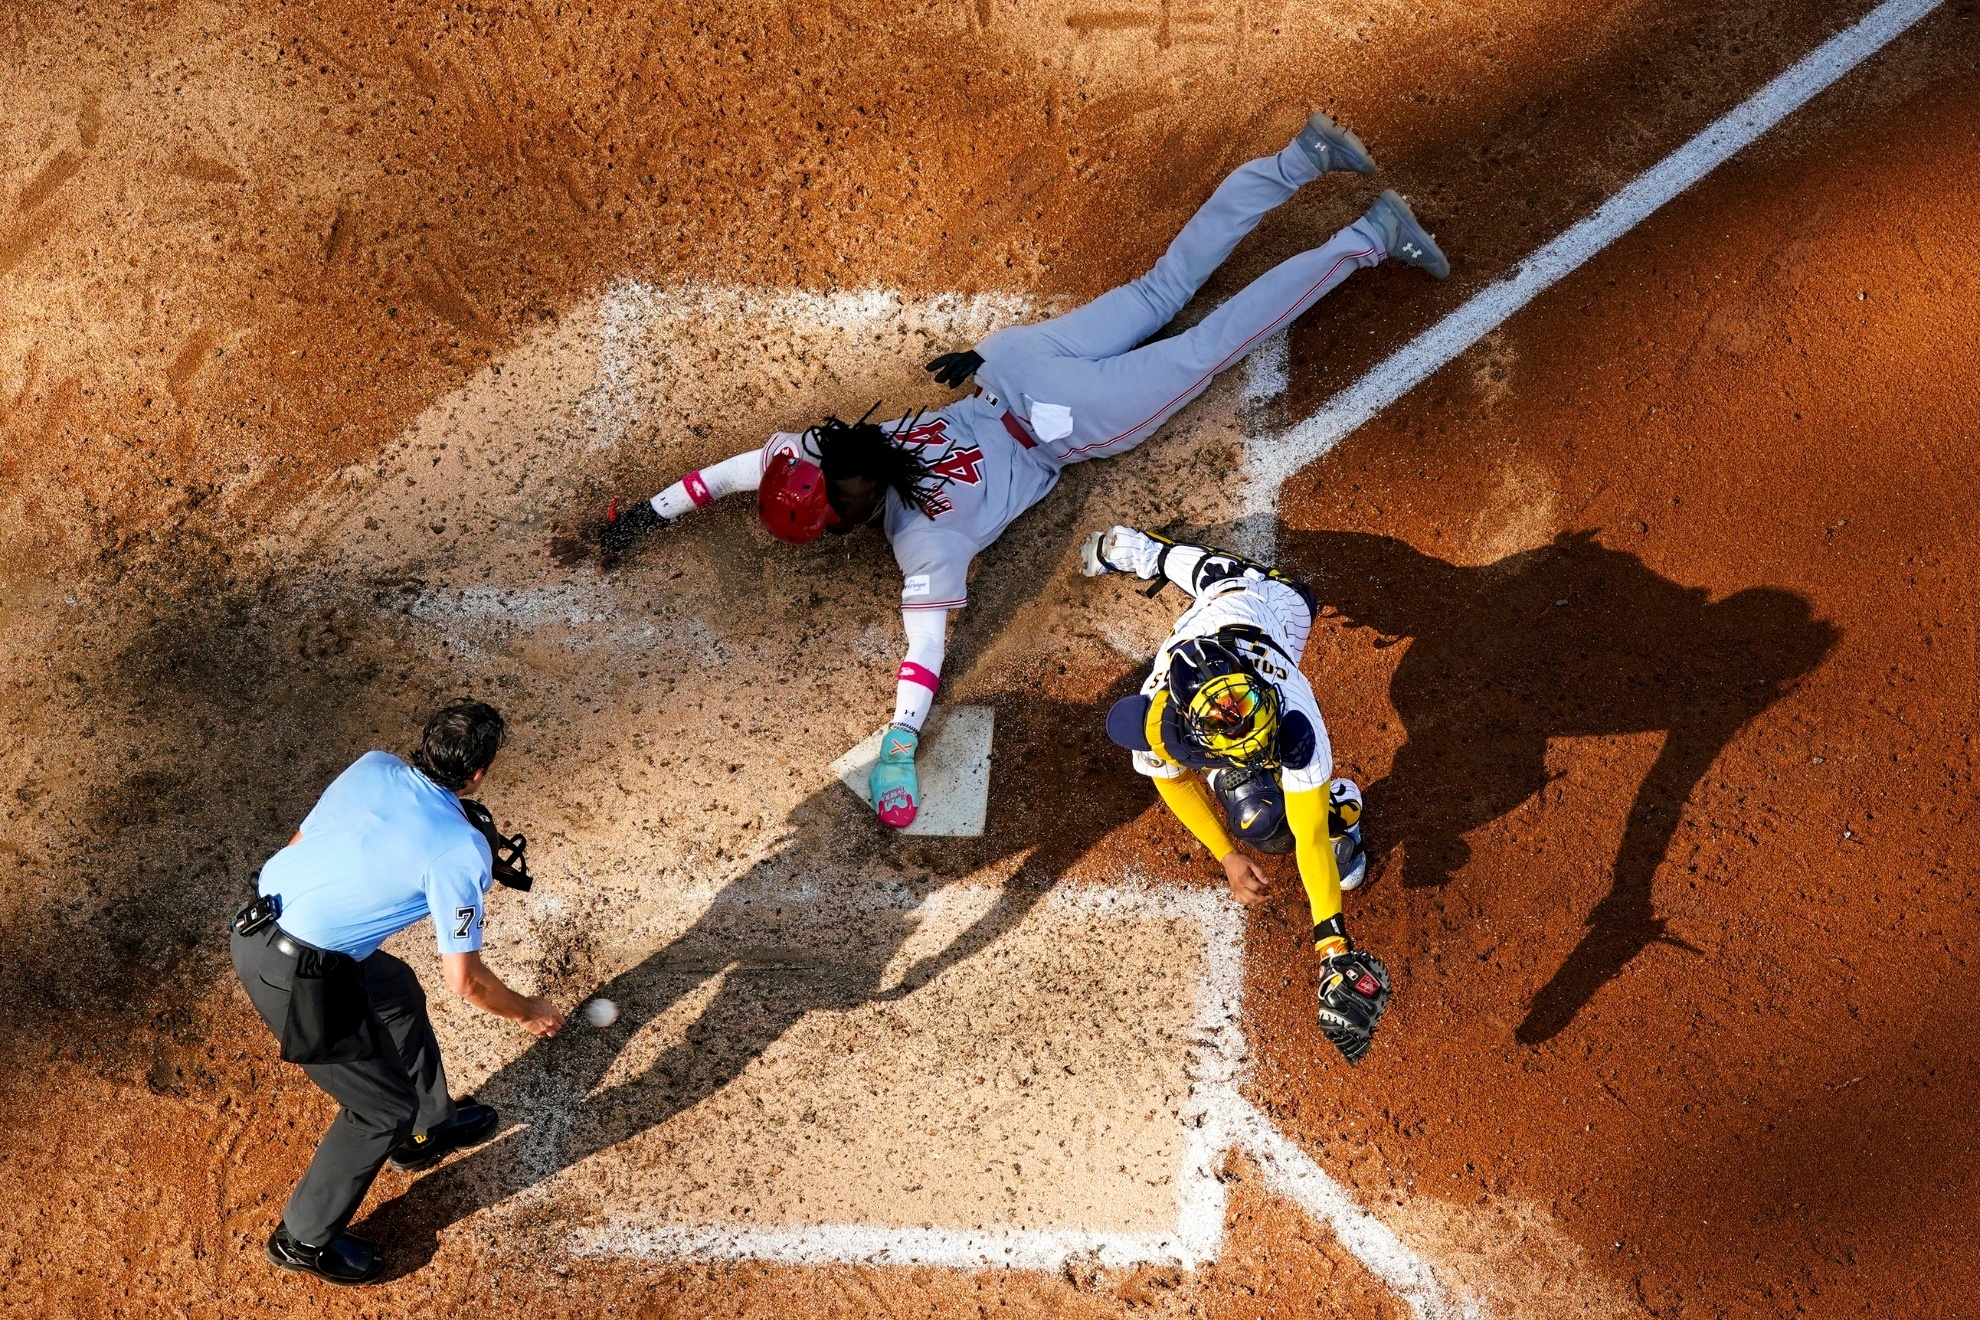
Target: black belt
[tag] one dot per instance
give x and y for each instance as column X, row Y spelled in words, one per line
column 288, row 946
column 311, row 957
column 327, row 1017
column 258, row 915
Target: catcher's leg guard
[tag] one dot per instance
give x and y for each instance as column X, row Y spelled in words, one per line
column 896, row 792
column 1344, row 827
column 1093, row 556
column 1122, row 550
column 1219, row 564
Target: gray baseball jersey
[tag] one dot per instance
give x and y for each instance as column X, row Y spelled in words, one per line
column 987, row 479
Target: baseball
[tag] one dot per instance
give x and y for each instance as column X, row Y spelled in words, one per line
column 601, row 1012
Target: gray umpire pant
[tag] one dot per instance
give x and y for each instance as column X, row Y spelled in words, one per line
column 385, row 1100
column 1119, row 394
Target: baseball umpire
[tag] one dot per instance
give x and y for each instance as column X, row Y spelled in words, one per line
column 1225, row 698
column 386, row 845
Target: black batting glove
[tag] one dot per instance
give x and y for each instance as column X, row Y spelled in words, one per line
column 630, row 524
column 952, row 369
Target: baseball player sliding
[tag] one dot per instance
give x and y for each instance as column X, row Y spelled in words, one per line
column 1225, row 698
column 943, row 485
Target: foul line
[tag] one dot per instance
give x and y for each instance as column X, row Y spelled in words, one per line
column 1277, row 459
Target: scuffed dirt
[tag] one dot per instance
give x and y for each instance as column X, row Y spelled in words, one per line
column 315, row 322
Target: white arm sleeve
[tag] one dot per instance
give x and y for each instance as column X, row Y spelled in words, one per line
column 921, row 669
column 699, row 489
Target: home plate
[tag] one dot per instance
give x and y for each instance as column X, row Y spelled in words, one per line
column 953, row 767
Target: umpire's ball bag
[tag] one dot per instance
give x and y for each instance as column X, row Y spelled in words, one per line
column 330, row 1017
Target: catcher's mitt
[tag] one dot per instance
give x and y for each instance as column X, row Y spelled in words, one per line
column 1354, row 993
column 511, row 866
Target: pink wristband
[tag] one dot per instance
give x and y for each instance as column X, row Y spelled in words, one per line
column 697, row 490
column 914, row 673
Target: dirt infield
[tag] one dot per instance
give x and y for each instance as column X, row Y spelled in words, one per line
column 1649, row 631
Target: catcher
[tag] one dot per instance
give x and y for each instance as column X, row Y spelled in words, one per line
column 943, row 485
column 1225, row 698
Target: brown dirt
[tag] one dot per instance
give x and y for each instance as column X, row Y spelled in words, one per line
column 1672, row 874
column 1676, row 626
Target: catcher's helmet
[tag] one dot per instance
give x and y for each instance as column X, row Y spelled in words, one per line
column 1254, row 803
column 791, row 500
column 1225, row 707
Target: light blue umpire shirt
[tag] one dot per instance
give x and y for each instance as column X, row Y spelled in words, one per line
column 383, row 847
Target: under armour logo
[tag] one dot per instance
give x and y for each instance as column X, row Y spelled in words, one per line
column 1411, row 250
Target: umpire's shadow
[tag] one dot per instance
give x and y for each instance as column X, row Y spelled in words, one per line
column 775, row 969
column 1571, row 639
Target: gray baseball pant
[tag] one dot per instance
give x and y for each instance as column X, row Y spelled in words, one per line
column 1119, row 394
column 385, row 1100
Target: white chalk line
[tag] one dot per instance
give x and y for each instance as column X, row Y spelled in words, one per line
column 1216, row 1119
column 1215, row 1062
column 1047, row 1251
column 1275, row 458
column 1274, row 461
column 1295, row 1175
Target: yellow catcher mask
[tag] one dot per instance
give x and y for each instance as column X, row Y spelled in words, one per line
column 1223, row 706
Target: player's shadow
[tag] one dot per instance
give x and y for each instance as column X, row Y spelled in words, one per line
column 776, row 952
column 1569, row 640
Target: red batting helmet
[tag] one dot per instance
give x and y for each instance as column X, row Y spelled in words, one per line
column 791, row 500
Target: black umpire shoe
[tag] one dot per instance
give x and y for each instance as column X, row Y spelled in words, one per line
column 471, row 1125
column 346, row 1260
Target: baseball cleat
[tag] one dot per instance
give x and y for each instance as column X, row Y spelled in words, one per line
column 1404, row 235
column 896, row 791
column 1344, row 824
column 1333, row 147
column 1351, row 858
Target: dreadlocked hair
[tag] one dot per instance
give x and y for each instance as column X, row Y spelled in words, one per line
column 864, row 449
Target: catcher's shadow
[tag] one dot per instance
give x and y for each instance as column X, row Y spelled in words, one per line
column 1571, row 639
column 774, row 968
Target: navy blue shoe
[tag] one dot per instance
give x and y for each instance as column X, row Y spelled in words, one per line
column 472, row 1124
column 346, row 1261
